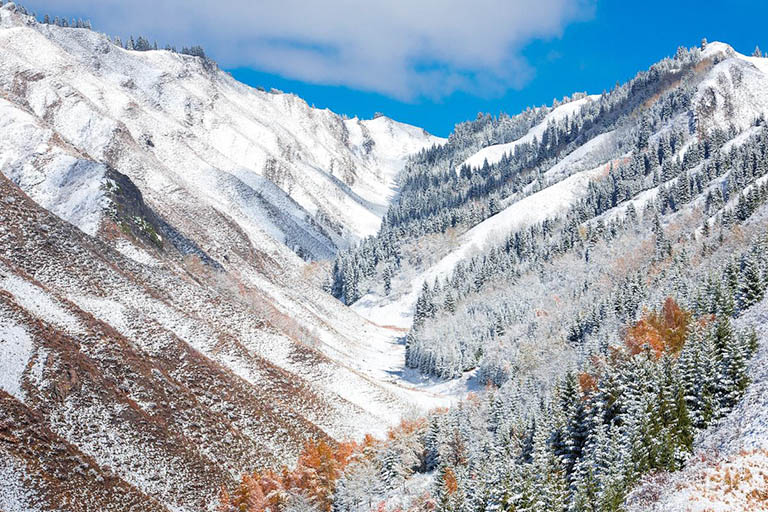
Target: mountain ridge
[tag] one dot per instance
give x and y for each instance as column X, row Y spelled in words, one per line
column 196, row 320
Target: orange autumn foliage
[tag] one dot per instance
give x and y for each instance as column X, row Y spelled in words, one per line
column 449, row 479
column 405, row 428
column 662, row 331
column 587, row 383
column 319, row 466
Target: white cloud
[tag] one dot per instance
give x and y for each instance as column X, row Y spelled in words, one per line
column 402, row 48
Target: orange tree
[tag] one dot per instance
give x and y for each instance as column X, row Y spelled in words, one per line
column 662, row 331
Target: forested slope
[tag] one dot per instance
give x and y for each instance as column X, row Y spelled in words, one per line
column 600, row 280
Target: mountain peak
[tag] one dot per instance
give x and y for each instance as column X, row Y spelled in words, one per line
column 718, row 48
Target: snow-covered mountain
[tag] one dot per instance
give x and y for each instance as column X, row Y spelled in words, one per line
column 731, row 91
column 539, row 265
column 190, row 137
column 160, row 329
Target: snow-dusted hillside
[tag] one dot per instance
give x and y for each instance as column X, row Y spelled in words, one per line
column 493, row 154
column 160, row 331
column 170, row 385
column 188, row 134
column 731, row 91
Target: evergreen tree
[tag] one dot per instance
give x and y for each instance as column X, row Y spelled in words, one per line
column 387, row 276
column 663, row 247
column 752, row 287
column 449, row 304
column 392, row 472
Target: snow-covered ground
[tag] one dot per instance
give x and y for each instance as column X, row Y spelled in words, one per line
column 16, row 349
column 40, row 303
column 68, row 186
column 739, row 83
column 15, row 496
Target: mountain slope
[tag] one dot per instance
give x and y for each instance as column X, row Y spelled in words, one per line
column 160, row 329
column 280, row 169
column 494, row 153
column 193, row 384
column 729, row 468
column 603, row 281
column 729, row 92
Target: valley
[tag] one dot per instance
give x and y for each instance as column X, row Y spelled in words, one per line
column 218, row 297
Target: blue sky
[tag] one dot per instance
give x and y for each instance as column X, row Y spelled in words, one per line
column 619, row 40
column 431, row 63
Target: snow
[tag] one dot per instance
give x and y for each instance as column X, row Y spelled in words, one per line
column 494, row 154
column 746, row 427
column 547, row 203
column 62, row 183
column 393, row 140
column 196, row 143
column 596, row 150
column 412, row 488
column 749, row 98
column 140, row 466
column 639, row 202
column 724, row 50
column 73, row 191
column 15, row 496
column 374, row 354
column 16, row 349
column 735, row 483
column 717, row 48
column 35, row 374
column 740, row 138
column 104, row 308
column 38, row 302
column 137, row 254
column 643, row 198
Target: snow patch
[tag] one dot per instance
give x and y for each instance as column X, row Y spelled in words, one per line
column 15, row 495
column 135, row 253
column 41, row 304
column 68, row 186
column 16, row 348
